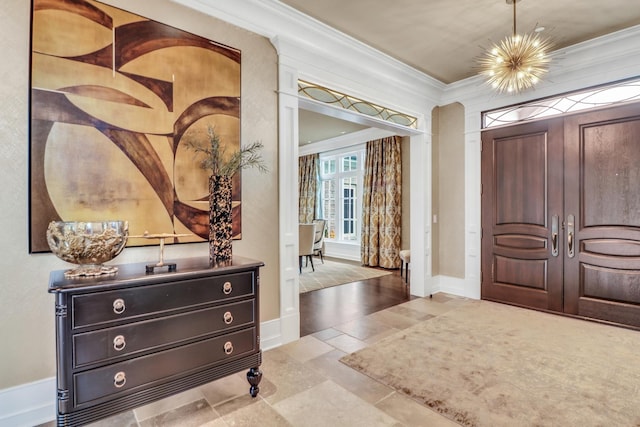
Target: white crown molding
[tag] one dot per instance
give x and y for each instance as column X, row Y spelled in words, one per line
column 238, row 13
column 609, row 45
column 316, row 45
column 601, row 60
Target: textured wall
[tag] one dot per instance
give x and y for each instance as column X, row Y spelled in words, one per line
column 450, row 191
column 27, row 315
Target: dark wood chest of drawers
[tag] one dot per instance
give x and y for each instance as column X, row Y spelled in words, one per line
column 134, row 337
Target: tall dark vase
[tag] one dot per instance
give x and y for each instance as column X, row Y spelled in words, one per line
column 220, row 219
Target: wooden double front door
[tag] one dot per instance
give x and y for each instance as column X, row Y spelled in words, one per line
column 561, row 215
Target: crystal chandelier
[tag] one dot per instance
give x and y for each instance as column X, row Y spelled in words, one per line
column 517, row 62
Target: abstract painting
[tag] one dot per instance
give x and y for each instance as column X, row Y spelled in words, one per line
column 114, row 99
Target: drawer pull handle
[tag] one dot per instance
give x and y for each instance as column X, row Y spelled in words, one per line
column 227, row 288
column 119, row 343
column 228, row 347
column 228, row 318
column 118, row 306
column 119, row 379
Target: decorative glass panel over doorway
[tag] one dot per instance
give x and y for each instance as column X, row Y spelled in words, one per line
column 617, row 93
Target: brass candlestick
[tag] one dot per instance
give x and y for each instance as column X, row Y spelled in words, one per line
column 161, row 236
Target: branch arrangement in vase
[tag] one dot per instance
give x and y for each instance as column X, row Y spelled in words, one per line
column 219, row 163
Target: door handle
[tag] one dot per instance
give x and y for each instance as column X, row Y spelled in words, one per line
column 554, row 235
column 570, row 237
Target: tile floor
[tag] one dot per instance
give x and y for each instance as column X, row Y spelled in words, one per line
column 304, row 383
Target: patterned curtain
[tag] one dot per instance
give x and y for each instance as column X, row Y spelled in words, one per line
column 308, row 168
column 381, row 205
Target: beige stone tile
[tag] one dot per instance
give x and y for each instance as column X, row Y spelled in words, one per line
column 218, row 422
column 452, row 296
column 225, row 388
column 326, row 334
column 125, row 419
column 441, row 297
column 362, row 328
column 395, row 320
column 328, row 404
column 428, row 306
column 459, row 301
column 306, row 348
column 283, row 376
column 334, row 355
column 374, row 339
column 261, row 414
column 347, row 343
column 405, row 311
column 266, row 387
column 237, row 403
column 193, row 414
column 168, row 404
column 351, row 380
column 411, row 413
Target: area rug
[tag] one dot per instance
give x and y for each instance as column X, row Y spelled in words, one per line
column 334, row 273
column 488, row 364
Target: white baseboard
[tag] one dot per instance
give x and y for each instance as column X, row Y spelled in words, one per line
column 270, row 334
column 28, row 405
column 452, row 285
column 348, row 251
column 31, row 404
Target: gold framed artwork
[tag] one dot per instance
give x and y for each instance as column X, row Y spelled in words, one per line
column 114, row 99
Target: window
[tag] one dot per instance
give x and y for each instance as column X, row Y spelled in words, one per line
column 341, row 177
column 618, row 93
column 349, row 200
column 328, row 202
column 328, row 167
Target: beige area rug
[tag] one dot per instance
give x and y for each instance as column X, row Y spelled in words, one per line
column 488, row 364
column 333, row 273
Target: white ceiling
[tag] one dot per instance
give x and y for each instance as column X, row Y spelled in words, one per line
column 315, row 127
column 443, row 38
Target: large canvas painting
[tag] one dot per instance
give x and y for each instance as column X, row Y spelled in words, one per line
column 114, row 99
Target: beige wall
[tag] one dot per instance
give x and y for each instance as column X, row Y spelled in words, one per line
column 27, row 315
column 448, row 190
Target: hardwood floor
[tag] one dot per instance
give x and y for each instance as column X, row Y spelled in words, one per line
column 325, row 308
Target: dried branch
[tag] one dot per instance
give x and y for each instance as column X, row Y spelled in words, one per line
column 247, row 157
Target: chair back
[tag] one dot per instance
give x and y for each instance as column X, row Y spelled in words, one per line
column 318, row 240
column 306, row 235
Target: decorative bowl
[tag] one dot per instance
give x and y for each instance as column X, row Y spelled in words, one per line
column 88, row 244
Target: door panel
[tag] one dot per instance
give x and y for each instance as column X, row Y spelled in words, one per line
column 521, row 193
column 520, row 179
column 602, row 187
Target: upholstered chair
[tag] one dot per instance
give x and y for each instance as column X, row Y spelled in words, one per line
column 306, row 236
column 405, row 257
column 318, row 241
